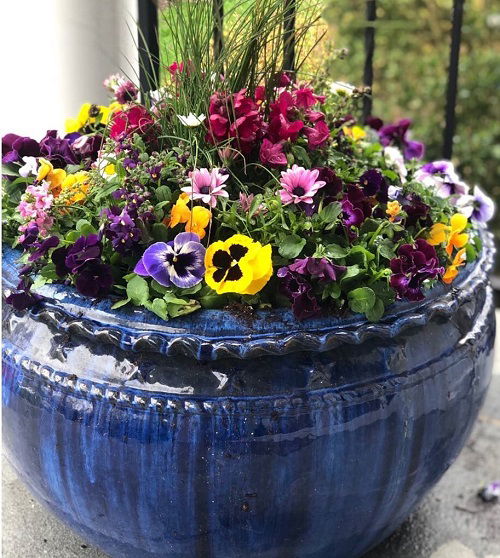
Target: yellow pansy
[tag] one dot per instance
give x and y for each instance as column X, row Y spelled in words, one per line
column 393, row 210
column 199, row 220
column 90, row 114
column 356, row 133
column 452, row 234
column 452, row 270
column 55, row 177
column 75, row 187
column 238, row 265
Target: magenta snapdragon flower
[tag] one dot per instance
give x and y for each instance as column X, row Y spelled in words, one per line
column 206, row 186
column 299, row 185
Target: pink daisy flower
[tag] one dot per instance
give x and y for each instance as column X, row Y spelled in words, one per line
column 299, row 185
column 206, row 186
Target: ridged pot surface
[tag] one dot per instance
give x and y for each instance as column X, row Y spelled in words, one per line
column 210, row 436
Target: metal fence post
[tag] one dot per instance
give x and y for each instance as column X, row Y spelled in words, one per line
column 371, row 16
column 149, row 48
column 451, row 93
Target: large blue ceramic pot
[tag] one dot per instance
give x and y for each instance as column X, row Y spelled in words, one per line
column 212, row 436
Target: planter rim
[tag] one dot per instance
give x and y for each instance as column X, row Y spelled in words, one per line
column 214, row 334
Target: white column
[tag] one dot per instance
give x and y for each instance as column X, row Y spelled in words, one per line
column 56, row 54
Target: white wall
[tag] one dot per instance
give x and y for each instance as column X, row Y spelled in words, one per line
column 55, row 55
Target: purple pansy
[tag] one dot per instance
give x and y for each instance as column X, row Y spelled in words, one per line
column 299, row 291
column 374, row 122
column 58, row 258
column 179, row 262
column 57, row 150
column 94, row 278
column 397, row 134
column 41, row 248
column 22, row 298
column 317, row 268
column 15, row 147
column 374, row 184
column 88, row 146
column 355, row 207
column 414, row 264
column 84, row 249
column 30, row 235
column 416, row 210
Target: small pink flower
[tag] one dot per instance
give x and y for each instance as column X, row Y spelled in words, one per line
column 272, row 153
column 206, row 186
column 306, row 98
column 246, row 202
column 299, row 185
column 317, row 136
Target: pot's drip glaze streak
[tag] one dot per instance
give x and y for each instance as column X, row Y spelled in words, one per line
column 206, row 437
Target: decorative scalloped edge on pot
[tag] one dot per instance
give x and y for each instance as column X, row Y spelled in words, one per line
column 318, row 335
column 344, row 396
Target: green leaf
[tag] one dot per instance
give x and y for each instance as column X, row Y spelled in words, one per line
column 170, row 298
column 351, row 272
column 391, row 175
column 120, row 303
column 470, row 253
column 159, row 307
column 360, row 255
column 254, row 205
column 138, row 290
column 192, row 290
column 335, row 251
column 361, row 299
column 176, row 310
column 85, row 228
column 160, row 289
column 49, row 271
column 291, row 246
column 40, row 282
column 384, row 292
column 301, row 155
column 163, row 194
column 331, row 212
column 331, row 290
column 386, row 249
column 376, row 312
column 159, row 232
column 72, row 236
column 72, row 169
column 10, row 170
column 370, row 225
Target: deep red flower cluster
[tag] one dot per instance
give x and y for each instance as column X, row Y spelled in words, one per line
column 239, row 116
column 292, row 114
column 235, row 117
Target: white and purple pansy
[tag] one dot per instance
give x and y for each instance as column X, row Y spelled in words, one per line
column 179, row 262
column 443, row 178
column 478, row 207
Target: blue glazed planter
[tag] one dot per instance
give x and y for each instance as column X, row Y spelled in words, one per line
column 211, row 437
